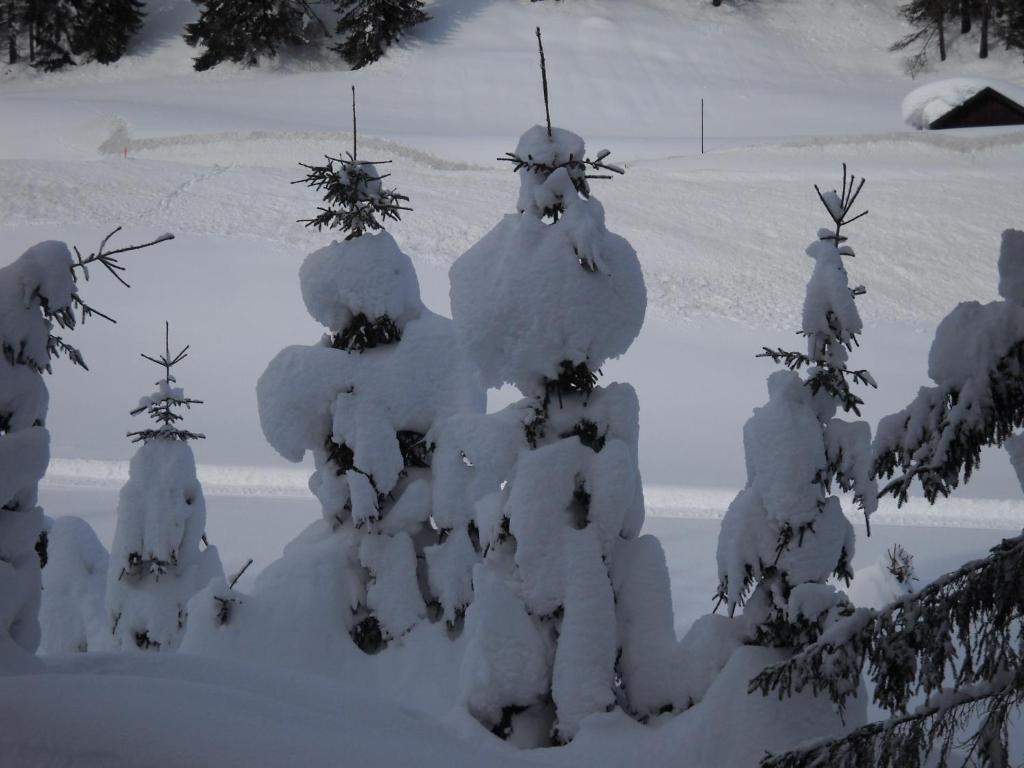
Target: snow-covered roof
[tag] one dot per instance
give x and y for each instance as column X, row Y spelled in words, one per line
column 926, row 104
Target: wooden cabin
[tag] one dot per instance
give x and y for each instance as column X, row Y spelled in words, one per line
column 987, row 107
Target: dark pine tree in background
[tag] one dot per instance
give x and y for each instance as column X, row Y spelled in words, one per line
column 53, row 34
column 11, row 15
column 243, row 31
column 104, row 28
column 52, row 25
column 370, row 26
column 928, row 17
column 1012, row 27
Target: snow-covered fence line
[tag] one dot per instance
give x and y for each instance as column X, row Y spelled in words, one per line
column 669, row 501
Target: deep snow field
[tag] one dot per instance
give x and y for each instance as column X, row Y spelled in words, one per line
column 792, row 89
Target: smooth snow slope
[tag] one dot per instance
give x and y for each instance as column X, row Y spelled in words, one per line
column 630, row 73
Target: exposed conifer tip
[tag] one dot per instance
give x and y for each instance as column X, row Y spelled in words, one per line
column 542, row 155
column 356, row 200
column 163, row 405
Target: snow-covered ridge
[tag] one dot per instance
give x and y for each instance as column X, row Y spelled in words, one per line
column 685, row 502
column 217, row 480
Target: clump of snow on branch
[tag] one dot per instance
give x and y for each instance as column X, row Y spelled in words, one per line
column 978, row 396
column 582, row 283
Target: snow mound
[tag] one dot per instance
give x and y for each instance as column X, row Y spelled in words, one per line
column 71, row 616
column 926, row 104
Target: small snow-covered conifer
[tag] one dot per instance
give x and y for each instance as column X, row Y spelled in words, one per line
column 365, row 401
column 571, row 614
column 38, row 295
column 369, row 27
column 156, row 562
column 785, row 533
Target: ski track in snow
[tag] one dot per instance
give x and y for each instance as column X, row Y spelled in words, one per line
column 663, row 501
column 167, row 202
column 937, row 206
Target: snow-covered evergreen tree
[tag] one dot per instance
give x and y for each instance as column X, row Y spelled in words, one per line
column 571, row 613
column 369, row 27
column 156, row 562
column 785, row 533
column 38, row 291
column 957, row 640
column 366, row 401
column 103, row 28
column 244, row 31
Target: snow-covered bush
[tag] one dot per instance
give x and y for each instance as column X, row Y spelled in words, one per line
column 156, row 563
column 72, row 616
column 38, row 291
column 785, row 533
column 571, row 614
column 367, row 401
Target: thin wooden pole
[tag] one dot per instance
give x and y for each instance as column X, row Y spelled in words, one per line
column 702, row 125
column 544, row 80
column 353, row 123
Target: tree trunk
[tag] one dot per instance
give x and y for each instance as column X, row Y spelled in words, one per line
column 942, row 36
column 965, row 16
column 986, row 11
column 12, row 32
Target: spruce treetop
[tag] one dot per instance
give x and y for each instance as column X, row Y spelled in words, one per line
column 163, row 405
column 356, row 200
column 831, row 322
column 553, row 162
